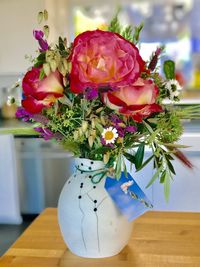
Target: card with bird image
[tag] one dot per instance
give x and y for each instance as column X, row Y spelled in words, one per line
column 128, row 196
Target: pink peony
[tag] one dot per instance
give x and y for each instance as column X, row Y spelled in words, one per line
column 136, row 100
column 102, row 58
column 39, row 94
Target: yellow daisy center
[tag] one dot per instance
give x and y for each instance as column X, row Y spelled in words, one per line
column 109, row 135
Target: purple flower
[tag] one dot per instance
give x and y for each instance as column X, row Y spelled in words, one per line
column 120, row 130
column 91, row 93
column 158, row 51
column 39, row 36
column 21, row 113
column 47, row 134
column 104, row 143
column 115, row 119
column 131, row 129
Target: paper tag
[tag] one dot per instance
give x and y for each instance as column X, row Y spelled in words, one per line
column 128, row 196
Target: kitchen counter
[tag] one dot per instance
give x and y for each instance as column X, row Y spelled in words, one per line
column 159, row 239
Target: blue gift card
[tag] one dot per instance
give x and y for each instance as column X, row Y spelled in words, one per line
column 128, row 196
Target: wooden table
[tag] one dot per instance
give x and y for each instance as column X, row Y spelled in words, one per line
column 160, row 239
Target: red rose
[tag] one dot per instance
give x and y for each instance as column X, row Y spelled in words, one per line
column 136, row 100
column 102, row 58
column 39, row 94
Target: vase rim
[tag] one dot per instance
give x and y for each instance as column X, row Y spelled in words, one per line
column 89, row 164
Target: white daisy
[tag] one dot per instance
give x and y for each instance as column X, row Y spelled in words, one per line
column 173, row 87
column 110, row 135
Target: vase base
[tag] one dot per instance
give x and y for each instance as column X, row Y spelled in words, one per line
column 96, row 255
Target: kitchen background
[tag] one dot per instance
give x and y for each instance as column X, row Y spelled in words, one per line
column 33, row 171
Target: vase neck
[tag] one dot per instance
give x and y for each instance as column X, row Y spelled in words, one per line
column 88, row 164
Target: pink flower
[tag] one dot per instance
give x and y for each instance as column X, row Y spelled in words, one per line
column 101, row 58
column 137, row 100
column 39, row 94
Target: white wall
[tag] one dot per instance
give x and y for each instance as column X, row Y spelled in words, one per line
column 18, row 18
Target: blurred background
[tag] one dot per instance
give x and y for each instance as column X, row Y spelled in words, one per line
column 32, row 171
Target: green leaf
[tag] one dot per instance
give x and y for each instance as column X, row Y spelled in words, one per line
column 101, row 150
column 128, row 34
column 129, row 157
column 40, row 17
column 71, row 146
column 42, row 74
column 137, row 31
column 61, row 44
column 167, row 187
column 125, row 169
column 169, row 157
column 40, row 60
column 145, row 163
column 114, row 24
column 118, row 167
column 42, row 57
column 46, row 31
column 175, row 145
column 162, row 178
column 99, row 127
column 170, row 166
column 169, row 69
column 155, row 176
column 46, row 15
column 139, row 156
column 65, row 101
column 148, row 127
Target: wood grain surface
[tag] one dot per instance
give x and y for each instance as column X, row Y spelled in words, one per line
column 159, row 239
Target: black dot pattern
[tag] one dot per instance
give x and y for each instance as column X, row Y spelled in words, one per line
column 95, row 209
column 95, row 201
column 79, row 197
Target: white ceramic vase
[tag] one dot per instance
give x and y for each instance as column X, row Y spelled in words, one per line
column 90, row 223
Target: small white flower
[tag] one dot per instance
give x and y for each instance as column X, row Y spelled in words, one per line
column 125, row 186
column 110, row 135
column 173, row 87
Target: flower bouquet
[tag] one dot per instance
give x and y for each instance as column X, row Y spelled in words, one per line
column 102, row 102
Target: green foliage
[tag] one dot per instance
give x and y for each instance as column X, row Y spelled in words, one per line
column 72, row 146
column 118, row 166
column 42, row 74
column 130, row 157
column 114, row 25
column 127, row 32
column 139, row 156
column 137, row 31
column 42, row 16
column 40, row 60
column 169, row 127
